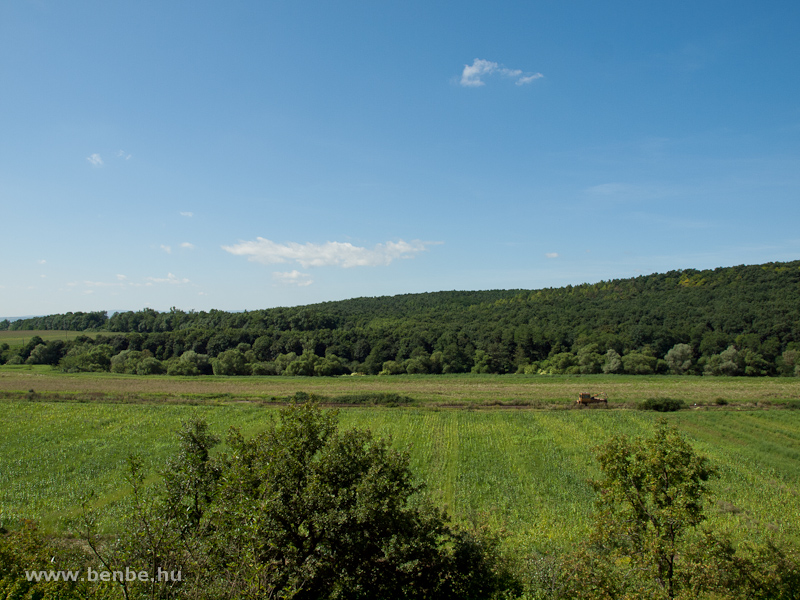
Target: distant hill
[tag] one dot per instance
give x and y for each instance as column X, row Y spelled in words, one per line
column 752, row 312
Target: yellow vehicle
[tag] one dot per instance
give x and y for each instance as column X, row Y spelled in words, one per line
column 584, row 398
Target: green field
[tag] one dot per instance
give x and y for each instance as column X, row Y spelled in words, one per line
column 16, row 339
column 525, row 470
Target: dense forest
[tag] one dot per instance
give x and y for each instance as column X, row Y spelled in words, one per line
column 742, row 320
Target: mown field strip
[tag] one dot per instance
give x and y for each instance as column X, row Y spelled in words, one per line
column 439, row 389
column 524, row 470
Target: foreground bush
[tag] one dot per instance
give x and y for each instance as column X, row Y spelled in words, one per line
column 301, row 510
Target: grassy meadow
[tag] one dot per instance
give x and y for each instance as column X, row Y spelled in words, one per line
column 522, row 469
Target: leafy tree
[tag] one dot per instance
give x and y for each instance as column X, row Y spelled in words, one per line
column 330, row 365
column 283, row 361
column 392, row 367
column 150, row 366
column 230, row 362
column 755, row 365
column 613, row 363
column 789, row 362
column 650, row 497
column 48, row 353
column 304, row 364
column 26, row 350
column 589, row 359
column 191, row 477
column 638, row 363
column 263, row 368
column 125, row 361
column 87, row 357
column 190, row 363
column 564, row 362
column 728, row 362
column 679, row 359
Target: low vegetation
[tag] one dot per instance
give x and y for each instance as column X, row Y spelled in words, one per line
column 664, row 404
column 299, row 490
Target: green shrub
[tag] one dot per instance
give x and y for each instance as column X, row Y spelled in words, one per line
column 662, row 404
column 387, row 398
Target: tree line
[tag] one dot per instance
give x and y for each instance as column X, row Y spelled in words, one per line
column 742, row 320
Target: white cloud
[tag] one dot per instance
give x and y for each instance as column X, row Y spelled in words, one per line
column 121, row 277
column 328, row 254
column 42, row 261
column 95, row 160
column 123, row 154
column 472, row 74
column 551, row 254
column 187, row 214
column 170, row 278
column 528, row 78
column 293, row 278
column 166, row 249
column 187, row 245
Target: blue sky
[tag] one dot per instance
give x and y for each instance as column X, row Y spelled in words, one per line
column 244, row 155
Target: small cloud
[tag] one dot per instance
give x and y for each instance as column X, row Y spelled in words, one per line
column 187, row 214
column 95, row 160
column 96, row 284
column 293, row 278
column 609, row 189
column 340, row 254
column 42, row 261
column 551, row 254
column 529, row 78
column 166, row 249
column 121, row 277
column 187, row 245
column 123, row 154
column 472, row 74
column 170, row 278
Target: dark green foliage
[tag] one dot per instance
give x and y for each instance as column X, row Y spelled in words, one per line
column 87, row 357
column 735, row 321
column 662, row 404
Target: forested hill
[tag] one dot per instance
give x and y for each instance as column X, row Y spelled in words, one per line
column 733, row 320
